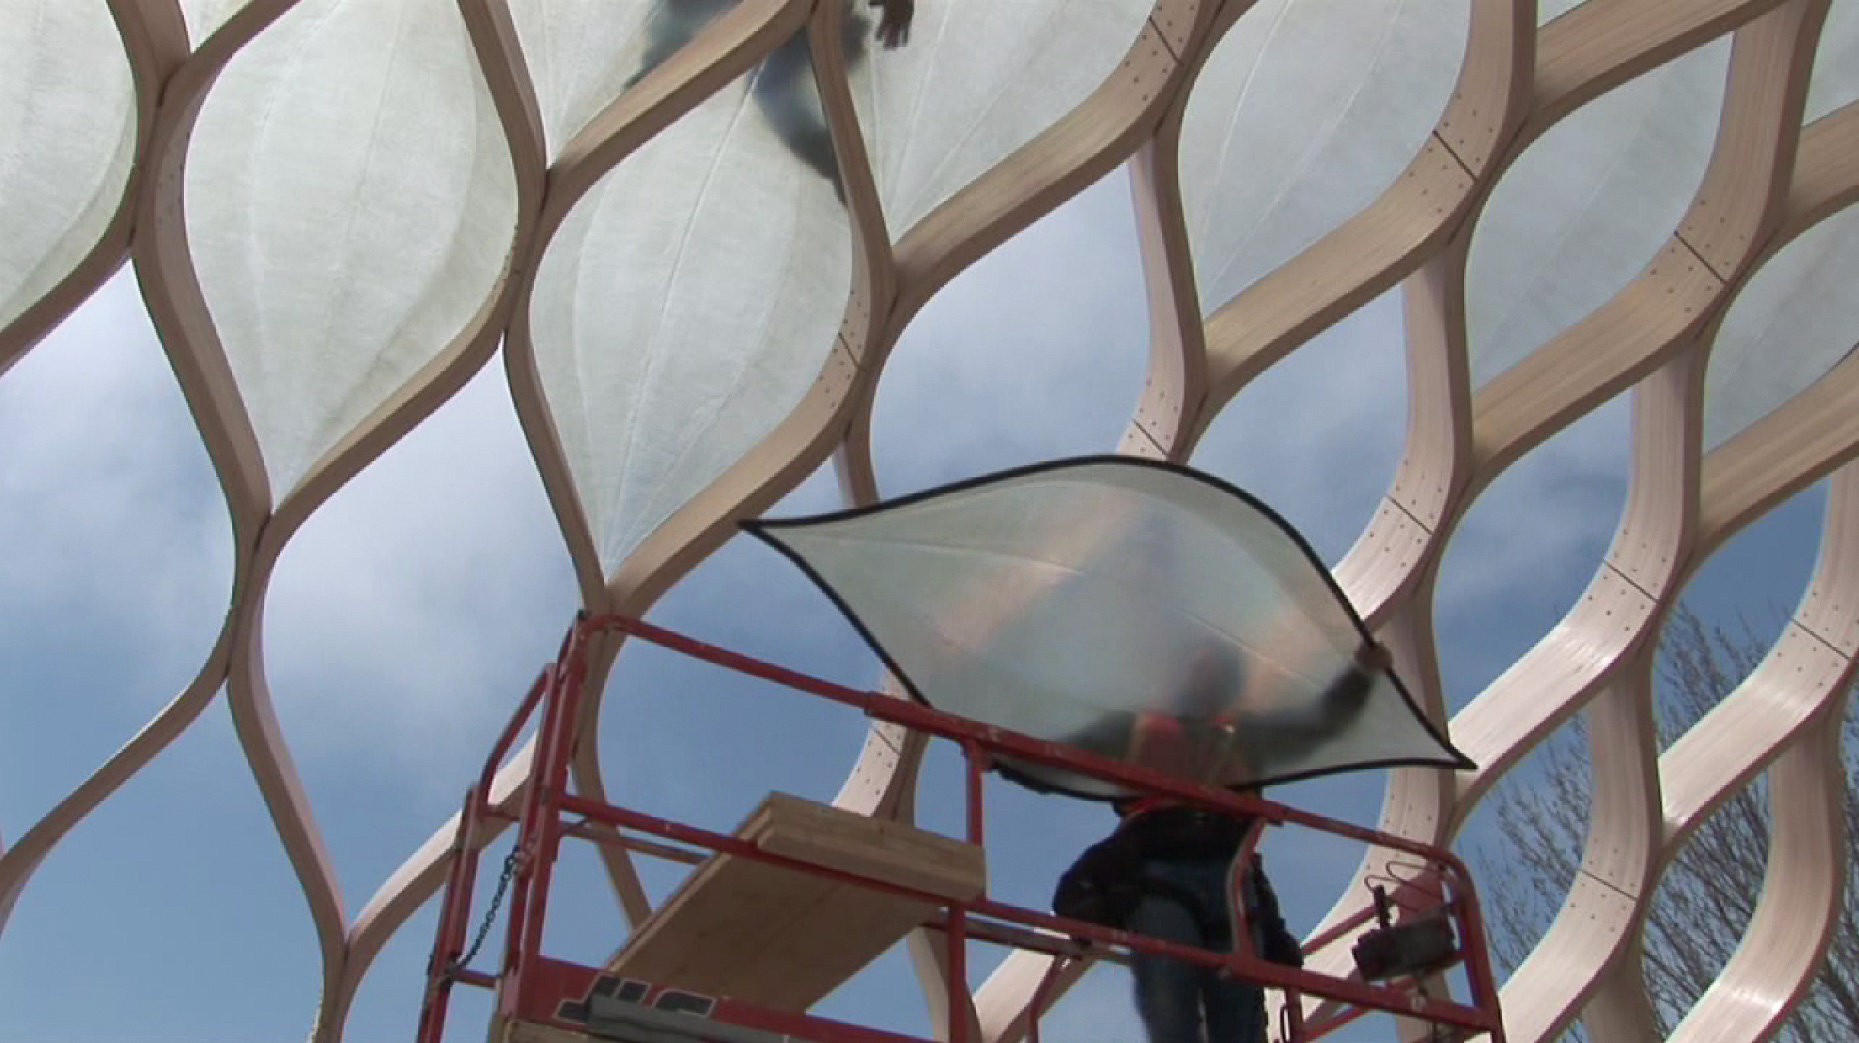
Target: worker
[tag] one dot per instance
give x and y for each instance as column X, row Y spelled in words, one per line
column 1177, row 861
column 783, row 88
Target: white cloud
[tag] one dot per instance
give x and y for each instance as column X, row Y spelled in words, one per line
column 1317, row 436
column 1527, row 547
column 426, row 592
column 1036, row 351
column 111, row 520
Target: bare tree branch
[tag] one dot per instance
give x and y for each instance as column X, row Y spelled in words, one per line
column 1707, row 896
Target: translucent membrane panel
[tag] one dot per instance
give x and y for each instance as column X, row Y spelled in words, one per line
column 350, row 202
column 67, row 139
column 1835, row 79
column 685, row 307
column 1588, row 205
column 582, row 53
column 1139, row 611
column 1792, row 322
column 204, row 17
column 979, row 79
column 1307, row 111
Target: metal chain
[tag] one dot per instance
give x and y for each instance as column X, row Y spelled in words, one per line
column 511, row 863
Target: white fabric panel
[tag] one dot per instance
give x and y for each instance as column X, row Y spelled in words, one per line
column 1794, row 319
column 1080, row 601
column 1792, row 322
column 683, row 310
column 1588, row 205
column 1307, row 111
column 1835, row 80
column 979, row 79
column 205, row 16
column 350, row 201
column 580, row 54
column 67, row 140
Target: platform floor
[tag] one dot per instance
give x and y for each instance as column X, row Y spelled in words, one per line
column 782, row 938
column 770, row 936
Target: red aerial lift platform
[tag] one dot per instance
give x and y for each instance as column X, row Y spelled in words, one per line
column 802, row 895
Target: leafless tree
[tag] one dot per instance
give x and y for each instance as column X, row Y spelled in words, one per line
column 1707, row 896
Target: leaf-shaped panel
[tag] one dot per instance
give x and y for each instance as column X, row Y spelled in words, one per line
column 582, row 53
column 1134, row 609
column 67, row 140
column 1588, row 205
column 1791, row 323
column 685, row 307
column 1305, row 112
column 1835, row 79
column 350, row 203
column 977, row 80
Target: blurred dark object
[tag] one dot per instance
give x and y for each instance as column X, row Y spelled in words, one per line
column 1417, row 947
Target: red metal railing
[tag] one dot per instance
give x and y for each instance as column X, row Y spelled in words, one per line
column 533, row 988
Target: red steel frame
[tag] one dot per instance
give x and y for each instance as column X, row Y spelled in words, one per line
column 533, row 988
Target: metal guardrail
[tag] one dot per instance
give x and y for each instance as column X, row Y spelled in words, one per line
column 535, row 989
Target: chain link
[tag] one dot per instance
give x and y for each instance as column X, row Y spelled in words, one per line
column 511, row 863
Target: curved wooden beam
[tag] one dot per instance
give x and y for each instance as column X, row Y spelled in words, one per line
column 1768, row 180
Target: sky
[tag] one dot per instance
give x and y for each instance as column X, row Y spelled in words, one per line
column 409, row 614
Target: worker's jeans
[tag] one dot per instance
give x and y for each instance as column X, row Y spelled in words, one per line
column 1173, row 996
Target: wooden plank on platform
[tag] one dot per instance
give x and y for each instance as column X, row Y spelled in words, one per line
column 782, row 938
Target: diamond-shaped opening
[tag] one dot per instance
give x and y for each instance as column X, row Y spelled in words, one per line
column 1318, row 435
column 1006, row 339
column 1524, row 842
column 432, row 587
column 1587, row 205
column 1527, row 549
column 1733, row 610
column 180, row 875
column 1703, row 904
column 114, row 543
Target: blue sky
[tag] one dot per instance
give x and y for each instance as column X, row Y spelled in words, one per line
column 409, row 614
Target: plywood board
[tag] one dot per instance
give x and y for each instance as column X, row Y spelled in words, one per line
column 783, row 938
